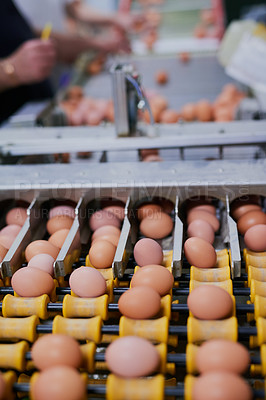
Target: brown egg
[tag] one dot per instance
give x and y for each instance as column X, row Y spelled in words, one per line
column 59, row 222
column 250, row 219
column 204, row 111
column 41, row 247
column 202, row 207
column 188, row 112
column 110, row 238
column 118, row 211
column 152, row 158
column 140, row 302
column 169, row 117
column 106, row 230
column 148, row 251
column 255, row 238
column 240, row 210
column 7, row 240
column 93, row 118
column 207, row 16
column 154, row 276
column 206, row 216
column 55, row 349
column 200, row 253
column 102, row 254
column 222, row 355
column 87, row 282
column 3, row 252
column 200, row 31
column 147, row 210
column 59, row 383
column 202, row 229
column 210, row 302
column 58, row 238
column 184, row 57
column 45, row 262
column 159, row 101
column 12, row 230
column 224, row 114
column 62, row 210
column 156, row 226
column 16, row 216
column 221, row 386
column 148, row 152
column 161, row 77
column 32, row 282
column 101, row 218
column 132, row 357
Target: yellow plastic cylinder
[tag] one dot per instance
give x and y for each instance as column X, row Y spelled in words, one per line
column 88, row 356
column 80, row 329
column 255, row 370
column 222, row 258
column 263, row 359
column 191, row 351
column 25, row 306
column 210, row 274
column 110, row 290
column 258, row 288
column 135, row 389
column 189, row 383
column 255, row 259
column 19, row 328
column 78, row 307
column 259, row 307
column 23, row 378
column 155, row 330
column 10, row 378
column 32, row 383
column 166, row 302
column 164, row 367
column 226, row 285
column 256, row 341
column 199, row 331
column 53, row 295
column 259, row 274
column 13, row 355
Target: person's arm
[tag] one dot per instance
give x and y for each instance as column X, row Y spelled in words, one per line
column 32, row 62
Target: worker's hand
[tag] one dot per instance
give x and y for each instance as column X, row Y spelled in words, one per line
column 33, row 61
column 114, row 42
column 130, row 22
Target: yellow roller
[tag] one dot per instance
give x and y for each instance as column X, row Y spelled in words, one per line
column 13, row 355
column 19, row 328
column 263, row 359
column 259, row 274
column 135, row 389
column 88, row 356
column 10, row 378
column 210, row 274
column 256, row 341
column 256, row 259
column 257, row 288
column 189, row 383
column 80, row 329
column 13, row 306
column 78, row 307
column 191, row 351
column 199, row 331
column 226, row 285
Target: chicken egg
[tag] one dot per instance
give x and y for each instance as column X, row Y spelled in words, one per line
column 200, row 253
column 3, row 252
column 202, row 207
column 132, row 357
column 204, row 111
column 188, row 112
column 169, row 117
column 110, row 238
column 45, row 262
column 222, row 355
column 202, row 229
column 240, row 210
column 59, row 222
column 161, row 77
column 147, row 210
column 7, row 240
column 140, row 302
column 154, row 276
column 118, row 211
column 255, row 238
column 58, row 238
column 106, row 230
column 157, row 225
column 87, row 282
column 148, row 251
column 204, row 215
column 103, row 217
column 59, row 383
column 32, row 282
column 55, row 349
column 102, row 254
column 12, row 230
column 250, row 219
column 16, row 216
column 210, row 302
column 221, row 385
column 41, row 247
column 62, row 210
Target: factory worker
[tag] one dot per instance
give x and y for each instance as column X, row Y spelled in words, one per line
column 27, row 62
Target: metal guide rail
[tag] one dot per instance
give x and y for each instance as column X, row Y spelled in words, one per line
column 96, row 322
